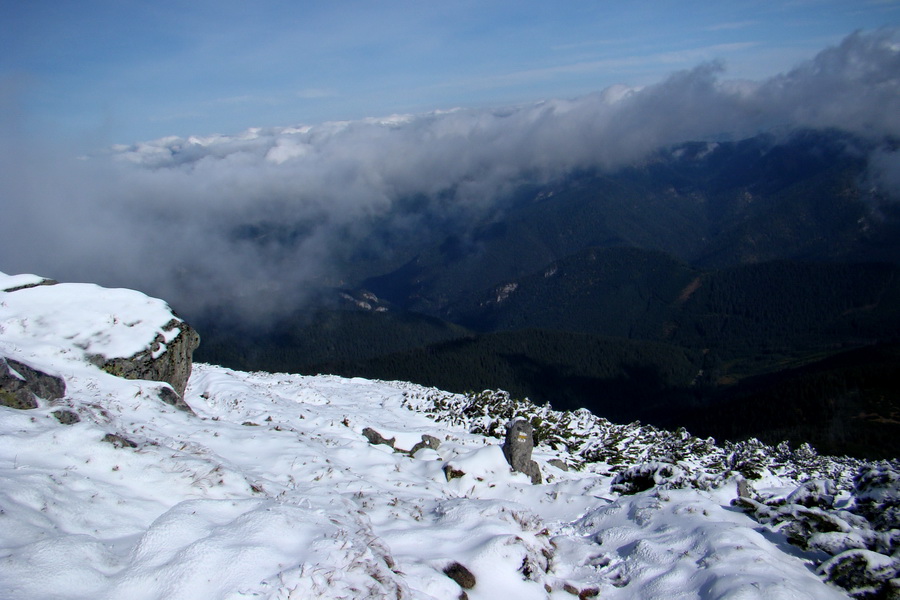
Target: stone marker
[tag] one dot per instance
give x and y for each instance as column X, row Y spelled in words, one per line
column 517, row 449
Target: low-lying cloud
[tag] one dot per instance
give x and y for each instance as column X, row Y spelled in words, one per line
column 257, row 218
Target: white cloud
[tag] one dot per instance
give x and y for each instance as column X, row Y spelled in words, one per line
column 199, row 220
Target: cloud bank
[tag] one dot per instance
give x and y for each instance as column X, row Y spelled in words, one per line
column 257, row 219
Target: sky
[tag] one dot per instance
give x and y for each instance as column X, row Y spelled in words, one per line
column 141, row 141
column 102, row 72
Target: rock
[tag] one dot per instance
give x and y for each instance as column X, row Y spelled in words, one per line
column 21, row 385
column 173, row 366
column 428, row 441
column 460, row 575
column 743, row 489
column 517, row 449
column 124, row 332
column 119, row 441
column 376, row 438
column 66, row 417
column 562, row 466
column 451, row 473
column 169, row 396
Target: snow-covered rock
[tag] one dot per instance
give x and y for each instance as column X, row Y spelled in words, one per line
column 60, row 327
column 21, row 386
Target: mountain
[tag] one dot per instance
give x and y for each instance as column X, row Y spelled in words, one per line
column 707, row 273
column 709, row 205
column 320, row 487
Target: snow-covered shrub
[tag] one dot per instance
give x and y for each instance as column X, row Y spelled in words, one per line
column 588, row 439
column 876, row 490
column 749, row 458
column 647, row 475
column 864, row 574
column 815, row 492
column 859, row 533
column 817, row 529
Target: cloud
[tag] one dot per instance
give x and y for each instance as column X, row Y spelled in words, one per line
column 669, row 59
column 258, row 220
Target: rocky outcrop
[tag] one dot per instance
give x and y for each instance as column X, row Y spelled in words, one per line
column 126, row 333
column 169, row 362
column 517, row 449
column 21, row 386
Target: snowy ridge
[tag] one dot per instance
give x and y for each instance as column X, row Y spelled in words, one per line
column 271, row 490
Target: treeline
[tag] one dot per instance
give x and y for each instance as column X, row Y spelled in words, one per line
column 296, row 344
column 783, row 306
column 765, row 350
column 616, row 378
column 776, row 309
column 848, row 403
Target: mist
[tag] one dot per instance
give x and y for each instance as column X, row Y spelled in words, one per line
column 259, row 220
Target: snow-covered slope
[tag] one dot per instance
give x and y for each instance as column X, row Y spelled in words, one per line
column 271, row 490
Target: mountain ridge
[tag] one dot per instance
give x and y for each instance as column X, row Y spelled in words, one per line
column 752, row 256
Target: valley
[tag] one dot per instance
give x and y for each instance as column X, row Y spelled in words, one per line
column 739, row 289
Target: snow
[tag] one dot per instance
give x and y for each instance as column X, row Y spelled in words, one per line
column 298, row 505
column 677, row 542
column 11, row 282
column 80, row 320
column 271, row 491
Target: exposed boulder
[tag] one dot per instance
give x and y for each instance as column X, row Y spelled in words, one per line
column 559, row 464
column 461, row 575
column 169, row 361
column 124, row 332
column 517, row 449
column 66, row 416
column 376, row 438
column 451, row 472
column 428, row 441
column 21, row 385
column 118, row 441
column 172, row 398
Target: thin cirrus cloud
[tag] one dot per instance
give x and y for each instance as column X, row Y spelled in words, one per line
column 681, row 57
column 731, row 25
column 256, row 220
column 315, row 93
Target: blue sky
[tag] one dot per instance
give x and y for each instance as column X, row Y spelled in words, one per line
column 118, row 71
